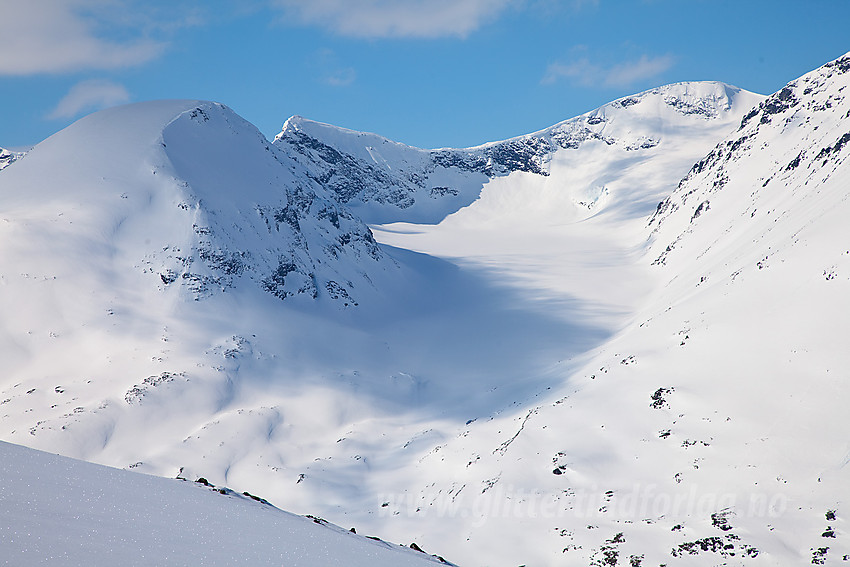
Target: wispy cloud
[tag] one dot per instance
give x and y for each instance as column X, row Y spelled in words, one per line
column 87, row 96
column 395, row 18
column 341, row 77
column 585, row 73
column 626, row 74
column 60, row 36
column 331, row 70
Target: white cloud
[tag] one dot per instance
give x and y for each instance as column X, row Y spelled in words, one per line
column 331, row 70
column 625, row 74
column 587, row 74
column 395, row 18
column 580, row 71
column 341, row 77
column 56, row 36
column 87, row 96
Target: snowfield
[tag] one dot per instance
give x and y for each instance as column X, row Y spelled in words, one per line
column 617, row 341
column 57, row 511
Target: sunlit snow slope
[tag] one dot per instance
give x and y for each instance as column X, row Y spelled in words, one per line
column 713, row 428
column 61, row 512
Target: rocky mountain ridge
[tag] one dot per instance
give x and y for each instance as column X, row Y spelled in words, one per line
column 281, row 231
column 8, row 157
column 385, row 181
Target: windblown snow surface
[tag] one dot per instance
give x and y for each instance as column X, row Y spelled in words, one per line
column 617, row 341
column 58, row 511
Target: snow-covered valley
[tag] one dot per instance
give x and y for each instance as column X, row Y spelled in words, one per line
column 617, row 341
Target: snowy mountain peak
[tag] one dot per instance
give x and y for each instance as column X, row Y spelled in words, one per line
column 210, row 203
column 291, row 237
column 796, row 136
column 320, row 130
column 704, row 99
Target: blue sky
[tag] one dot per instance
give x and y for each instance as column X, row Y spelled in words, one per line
column 428, row 73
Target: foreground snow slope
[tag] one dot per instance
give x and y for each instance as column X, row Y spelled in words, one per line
column 58, row 511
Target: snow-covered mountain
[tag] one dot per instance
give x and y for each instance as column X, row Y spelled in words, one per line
column 532, row 361
column 141, row 331
column 712, row 428
column 61, row 512
column 385, row 181
column 193, row 197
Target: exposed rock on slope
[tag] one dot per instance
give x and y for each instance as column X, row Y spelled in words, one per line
column 796, row 139
column 7, row 158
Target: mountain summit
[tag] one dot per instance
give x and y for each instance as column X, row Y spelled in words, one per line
column 187, row 194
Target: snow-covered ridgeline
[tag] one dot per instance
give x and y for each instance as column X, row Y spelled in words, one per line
column 194, row 196
column 385, row 181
